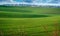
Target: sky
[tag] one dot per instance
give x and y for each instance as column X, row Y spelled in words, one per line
column 31, row 1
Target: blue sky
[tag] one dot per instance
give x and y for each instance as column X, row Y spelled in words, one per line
column 43, row 1
column 18, row 0
column 36, row 1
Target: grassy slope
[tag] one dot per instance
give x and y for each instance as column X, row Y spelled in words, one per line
column 31, row 26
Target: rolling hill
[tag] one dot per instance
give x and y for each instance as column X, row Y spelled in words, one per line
column 29, row 21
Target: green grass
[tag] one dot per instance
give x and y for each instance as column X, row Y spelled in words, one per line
column 29, row 21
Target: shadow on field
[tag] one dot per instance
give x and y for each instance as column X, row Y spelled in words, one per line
column 11, row 15
column 15, row 10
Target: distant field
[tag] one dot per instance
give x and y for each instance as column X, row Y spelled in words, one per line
column 29, row 21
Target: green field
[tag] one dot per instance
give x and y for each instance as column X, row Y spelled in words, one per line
column 29, row 21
